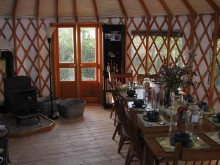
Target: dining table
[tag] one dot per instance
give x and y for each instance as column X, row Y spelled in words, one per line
column 157, row 135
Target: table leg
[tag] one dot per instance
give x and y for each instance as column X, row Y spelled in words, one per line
column 148, row 157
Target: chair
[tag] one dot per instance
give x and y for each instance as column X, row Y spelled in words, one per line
column 137, row 142
column 121, row 127
column 115, row 94
column 140, row 78
column 120, row 78
column 124, row 136
column 198, row 156
column 21, row 97
column 116, row 79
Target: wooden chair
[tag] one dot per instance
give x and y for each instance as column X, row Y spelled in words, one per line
column 116, row 79
column 137, row 141
column 115, row 94
column 124, row 136
column 140, row 78
column 189, row 156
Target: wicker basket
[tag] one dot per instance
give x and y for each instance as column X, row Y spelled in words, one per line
column 71, row 108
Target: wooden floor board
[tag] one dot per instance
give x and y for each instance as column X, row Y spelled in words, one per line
column 82, row 141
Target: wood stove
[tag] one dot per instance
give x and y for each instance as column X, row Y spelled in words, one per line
column 21, row 97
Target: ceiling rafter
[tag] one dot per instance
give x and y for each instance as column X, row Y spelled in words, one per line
column 38, row 9
column 213, row 5
column 189, row 7
column 143, row 5
column 96, row 10
column 57, row 10
column 75, row 10
column 123, row 8
column 166, row 8
column 15, row 8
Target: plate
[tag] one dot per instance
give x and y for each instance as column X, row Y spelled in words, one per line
column 215, row 119
column 186, row 142
column 143, row 106
column 146, row 119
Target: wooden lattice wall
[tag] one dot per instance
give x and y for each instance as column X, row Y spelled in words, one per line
column 31, row 48
column 194, row 31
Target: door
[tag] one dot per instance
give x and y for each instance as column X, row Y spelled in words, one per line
column 88, row 64
column 77, row 63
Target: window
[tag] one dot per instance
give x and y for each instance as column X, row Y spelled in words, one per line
column 66, row 49
column 157, row 50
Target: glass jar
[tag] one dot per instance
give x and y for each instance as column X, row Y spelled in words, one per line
column 192, row 118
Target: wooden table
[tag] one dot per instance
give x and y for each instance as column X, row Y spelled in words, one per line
column 153, row 133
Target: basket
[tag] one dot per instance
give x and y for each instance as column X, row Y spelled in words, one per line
column 71, row 108
column 45, row 104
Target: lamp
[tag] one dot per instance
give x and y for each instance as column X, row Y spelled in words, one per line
column 49, row 32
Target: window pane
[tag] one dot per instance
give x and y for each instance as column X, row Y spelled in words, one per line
column 88, row 45
column 157, row 51
column 66, row 49
column 88, row 74
column 138, row 54
column 176, row 48
column 67, row 74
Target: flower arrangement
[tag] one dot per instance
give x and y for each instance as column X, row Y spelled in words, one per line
column 172, row 77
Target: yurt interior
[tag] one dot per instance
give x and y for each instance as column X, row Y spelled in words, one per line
column 78, row 79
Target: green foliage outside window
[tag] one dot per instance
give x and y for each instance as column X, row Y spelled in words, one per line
column 88, row 44
column 66, row 43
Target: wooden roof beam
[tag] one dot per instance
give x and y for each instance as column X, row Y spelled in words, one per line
column 15, row 8
column 75, row 10
column 123, row 8
column 213, row 5
column 189, row 7
column 38, row 9
column 146, row 11
column 57, row 10
column 96, row 10
column 166, row 8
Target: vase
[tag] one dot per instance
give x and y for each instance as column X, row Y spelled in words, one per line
column 167, row 98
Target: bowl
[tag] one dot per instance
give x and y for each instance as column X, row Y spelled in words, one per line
column 189, row 98
column 131, row 93
column 203, row 105
column 153, row 115
column 218, row 116
column 181, row 137
column 138, row 103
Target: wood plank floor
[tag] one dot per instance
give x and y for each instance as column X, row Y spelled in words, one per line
column 82, row 141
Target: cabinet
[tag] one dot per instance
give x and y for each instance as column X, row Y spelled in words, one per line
column 114, row 57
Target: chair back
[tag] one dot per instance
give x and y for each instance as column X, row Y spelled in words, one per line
column 134, row 132
column 120, row 78
column 140, row 78
column 201, row 156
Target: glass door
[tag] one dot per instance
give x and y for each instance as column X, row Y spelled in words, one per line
column 67, row 65
column 88, row 65
column 77, row 63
